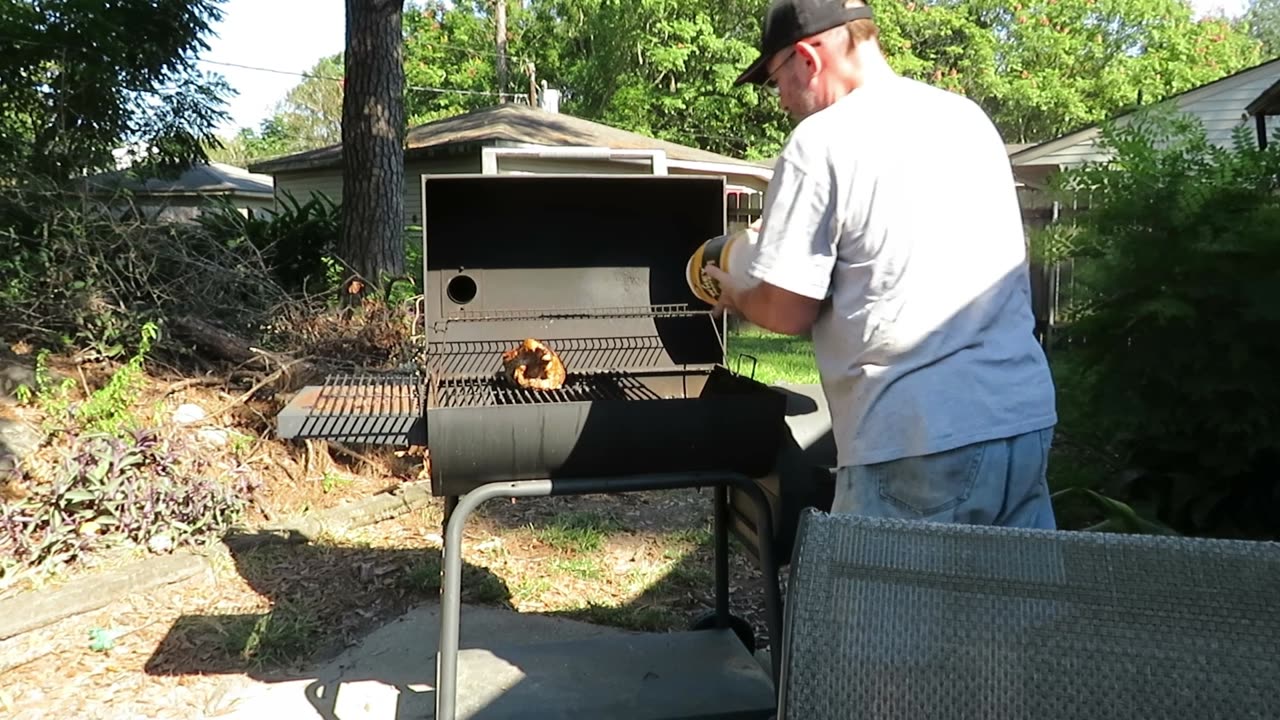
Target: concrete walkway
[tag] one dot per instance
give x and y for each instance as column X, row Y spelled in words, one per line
column 390, row 675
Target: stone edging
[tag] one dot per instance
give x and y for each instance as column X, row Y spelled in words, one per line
column 33, row 610
column 37, row 609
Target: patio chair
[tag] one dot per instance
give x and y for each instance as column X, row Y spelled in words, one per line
column 891, row 619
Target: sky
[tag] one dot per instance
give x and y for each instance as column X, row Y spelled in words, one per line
column 283, row 35
column 291, row 35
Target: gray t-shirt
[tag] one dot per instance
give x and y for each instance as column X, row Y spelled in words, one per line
column 897, row 206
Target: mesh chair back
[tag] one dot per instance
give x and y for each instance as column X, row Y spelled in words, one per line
column 891, row 620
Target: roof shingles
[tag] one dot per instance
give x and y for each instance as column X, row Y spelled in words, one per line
column 511, row 123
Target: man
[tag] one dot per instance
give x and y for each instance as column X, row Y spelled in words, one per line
column 892, row 233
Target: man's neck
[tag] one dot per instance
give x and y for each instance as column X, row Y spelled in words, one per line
column 869, row 66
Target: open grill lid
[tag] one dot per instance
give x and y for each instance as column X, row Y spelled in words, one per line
column 592, row 265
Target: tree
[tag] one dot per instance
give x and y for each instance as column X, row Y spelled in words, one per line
column 664, row 68
column 373, row 130
column 311, row 113
column 1263, row 20
column 78, row 85
column 308, row 117
column 451, row 59
column 1065, row 65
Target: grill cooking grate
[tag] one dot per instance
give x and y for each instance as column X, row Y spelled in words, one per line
column 628, row 311
column 481, row 358
column 362, row 408
column 578, row 387
column 394, row 395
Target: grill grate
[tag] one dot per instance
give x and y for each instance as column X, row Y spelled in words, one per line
column 490, row 391
column 484, row 357
column 593, row 313
column 396, row 395
column 363, row 408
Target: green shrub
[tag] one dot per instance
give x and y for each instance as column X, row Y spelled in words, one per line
column 297, row 241
column 109, row 409
column 1177, row 320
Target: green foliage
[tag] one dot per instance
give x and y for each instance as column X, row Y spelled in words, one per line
column 665, row 68
column 108, row 490
column 107, row 410
column 1040, row 68
column 450, row 46
column 1178, row 319
column 296, row 241
column 1262, row 22
column 1061, row 65
column 79, row 84
column 658, row 67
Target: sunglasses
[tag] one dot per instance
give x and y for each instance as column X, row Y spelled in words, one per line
column 771, row 83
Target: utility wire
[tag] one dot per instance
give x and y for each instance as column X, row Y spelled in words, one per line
column 421, row 88
column 416, row 88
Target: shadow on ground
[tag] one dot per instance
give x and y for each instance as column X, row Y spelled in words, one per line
column 323, row 598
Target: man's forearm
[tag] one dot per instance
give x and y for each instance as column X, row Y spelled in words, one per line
column 775, row 310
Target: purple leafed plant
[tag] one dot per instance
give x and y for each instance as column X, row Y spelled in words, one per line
column 111, row 490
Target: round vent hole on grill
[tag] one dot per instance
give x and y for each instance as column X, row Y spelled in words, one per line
column 461, row 289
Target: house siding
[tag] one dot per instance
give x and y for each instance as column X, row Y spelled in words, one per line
column 302, row 185
column 1221, row 110
column 329, row 182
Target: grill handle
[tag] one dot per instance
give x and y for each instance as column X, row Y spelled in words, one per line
column 754, row 364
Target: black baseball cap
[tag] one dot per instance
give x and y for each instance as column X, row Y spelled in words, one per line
column 789, row 21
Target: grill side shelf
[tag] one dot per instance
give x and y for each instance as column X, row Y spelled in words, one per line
column 373, row 409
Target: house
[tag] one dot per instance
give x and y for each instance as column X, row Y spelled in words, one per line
column 513, row 138
column 182, row 198
column 1249, row 98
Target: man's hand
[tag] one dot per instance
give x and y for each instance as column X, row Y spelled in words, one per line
column 727, row 302
column 764, row 305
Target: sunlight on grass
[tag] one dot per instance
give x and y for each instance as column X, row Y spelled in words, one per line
column 576, row 532
column 583, row 568
column 779, row 358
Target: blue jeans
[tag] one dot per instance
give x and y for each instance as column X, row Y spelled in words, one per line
column 999, row 482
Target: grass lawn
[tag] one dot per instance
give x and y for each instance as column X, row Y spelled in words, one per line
column 778, row 358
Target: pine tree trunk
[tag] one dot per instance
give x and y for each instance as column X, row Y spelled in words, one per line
column 373, row 142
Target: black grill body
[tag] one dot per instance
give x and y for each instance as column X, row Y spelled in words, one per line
column 593, row 266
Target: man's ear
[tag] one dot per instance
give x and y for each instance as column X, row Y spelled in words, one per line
column 809, row 55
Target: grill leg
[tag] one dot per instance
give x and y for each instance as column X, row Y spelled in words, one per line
column 450, row 504
column 769, row 568
column 451, row 584
column 451, row 566
column 722, row 555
